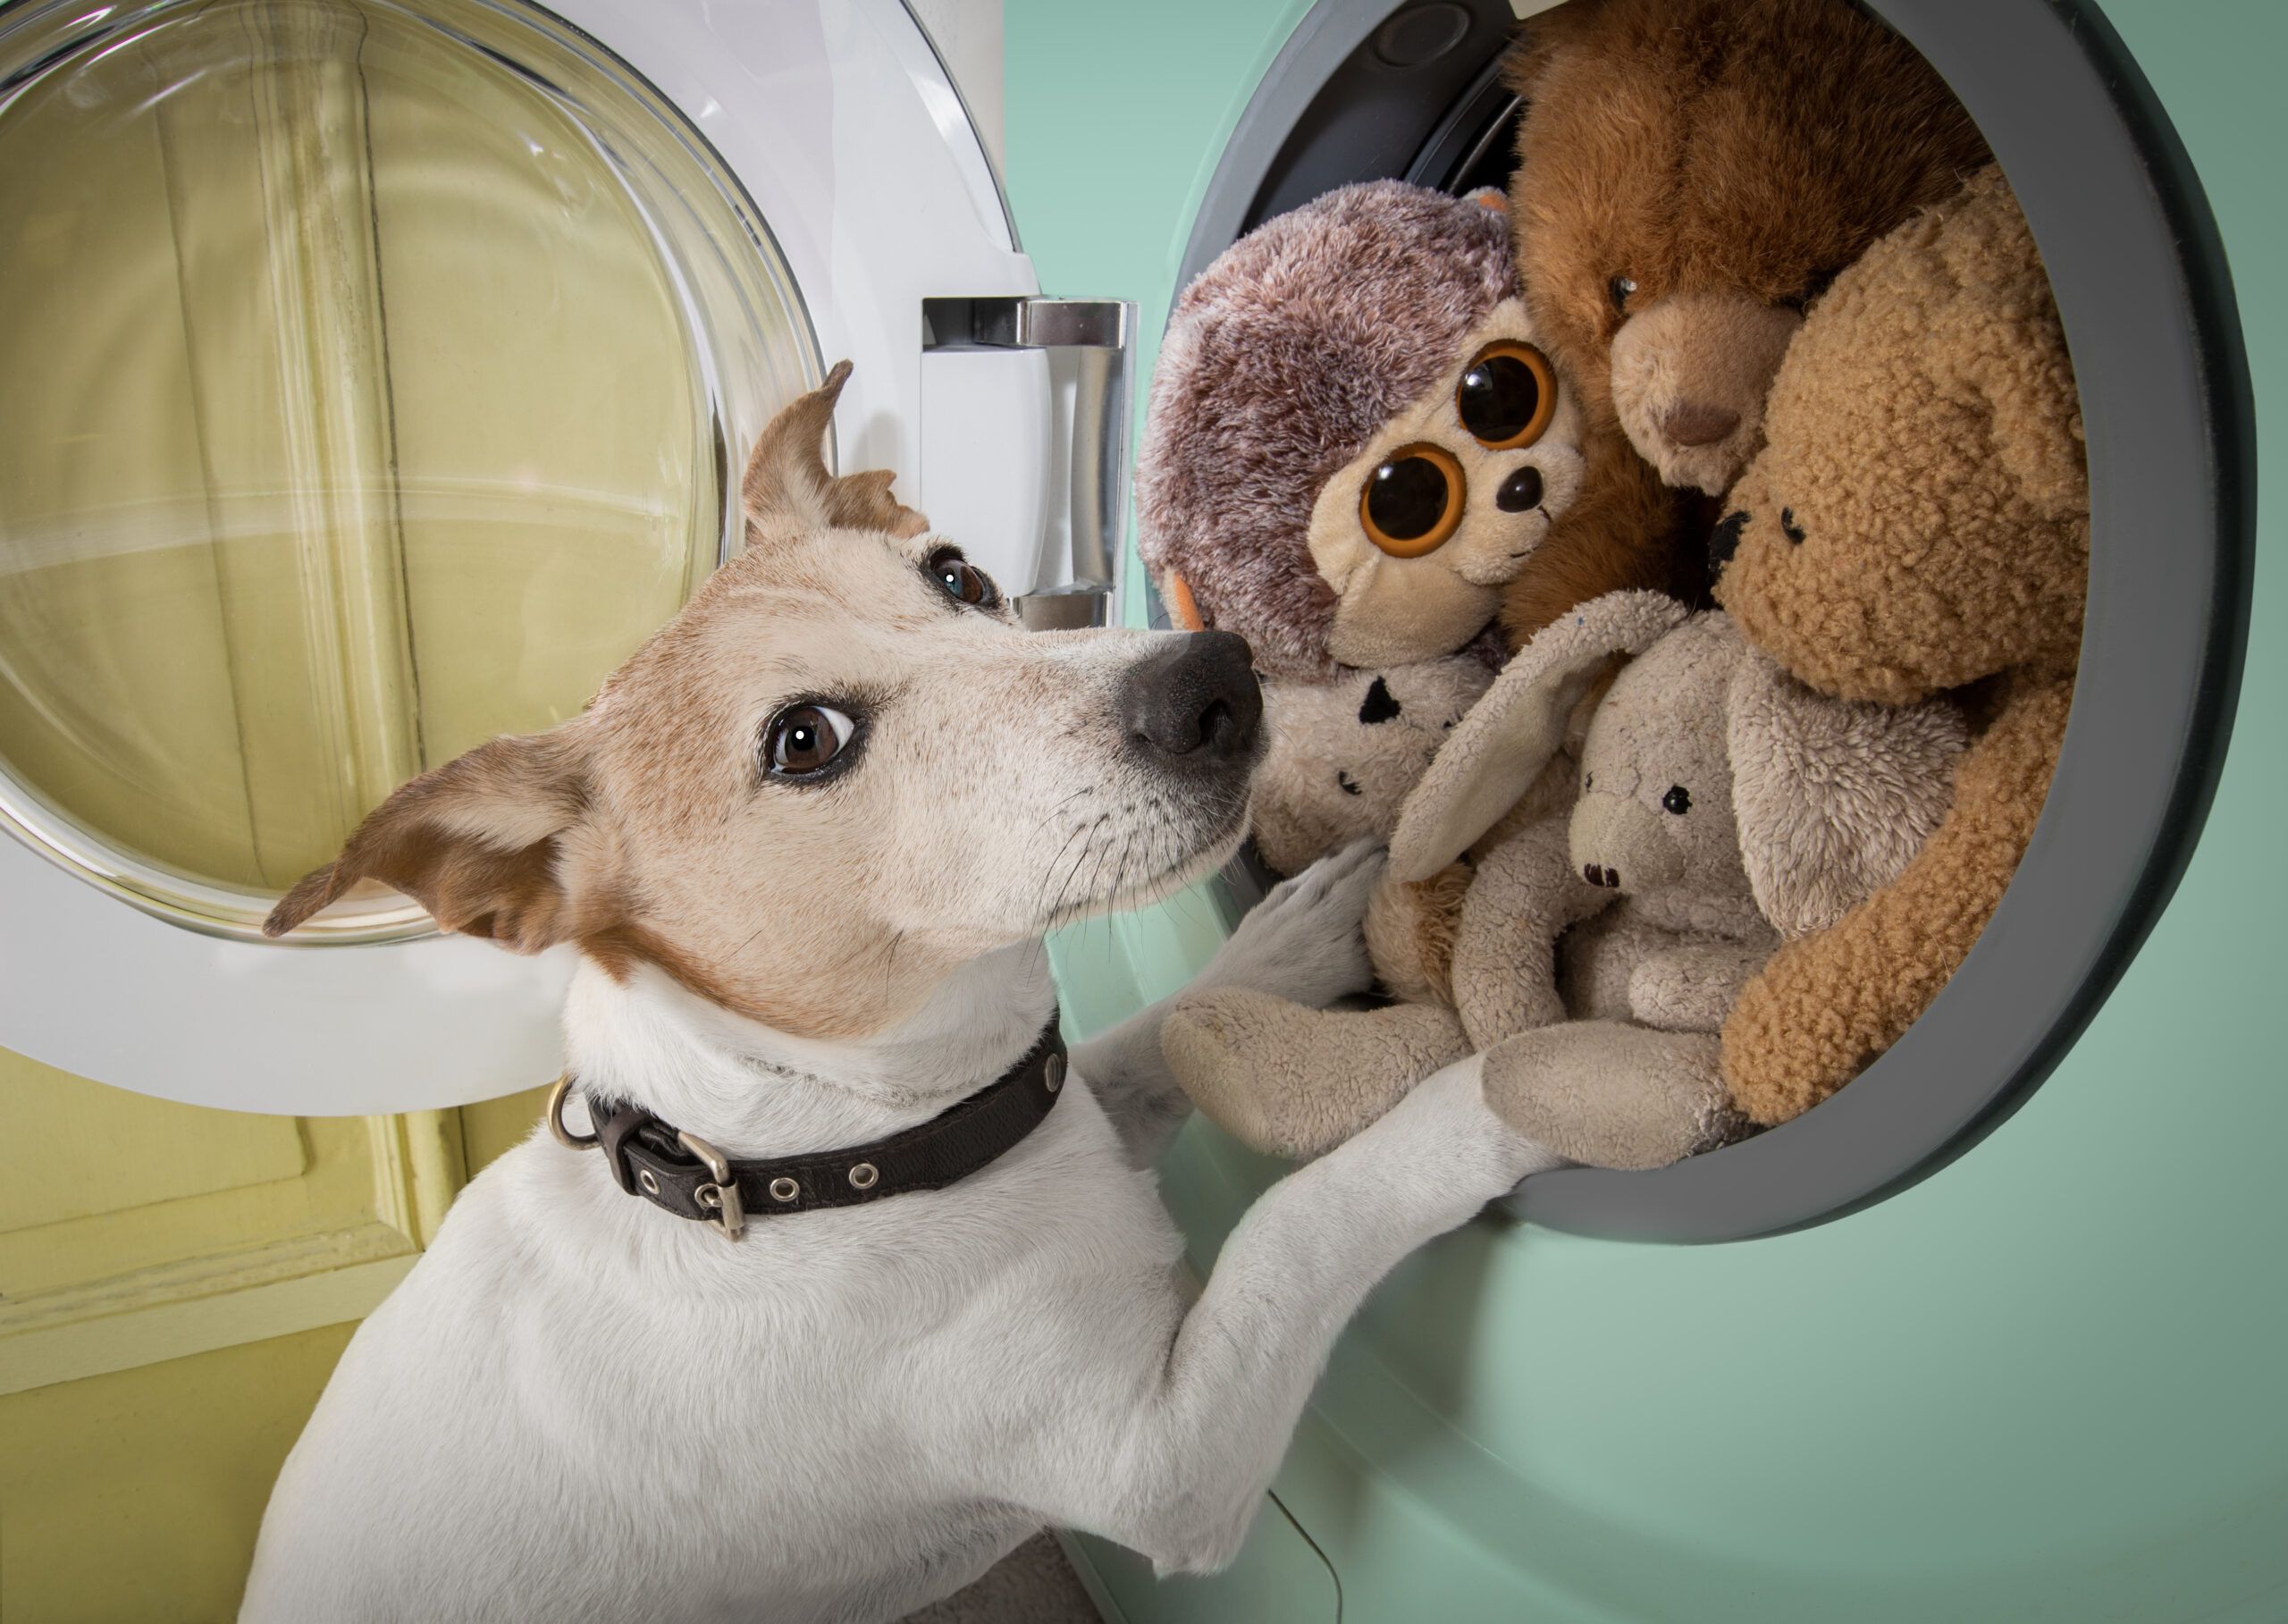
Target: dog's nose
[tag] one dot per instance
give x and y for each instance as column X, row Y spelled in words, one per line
column 1196, row 699
column 1692, row 423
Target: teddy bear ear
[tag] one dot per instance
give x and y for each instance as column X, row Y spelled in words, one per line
column 2011, row 347
column 1833, row 797
column 1496, row 751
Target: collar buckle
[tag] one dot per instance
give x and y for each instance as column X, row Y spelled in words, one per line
column 726, row 1212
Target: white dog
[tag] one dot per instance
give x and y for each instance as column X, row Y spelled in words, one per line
column 808, row 840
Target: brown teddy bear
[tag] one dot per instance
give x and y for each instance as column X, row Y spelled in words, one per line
column 1355, row 441
column 1918, row 522
column 1692, row 174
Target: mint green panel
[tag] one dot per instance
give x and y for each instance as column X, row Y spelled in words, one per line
column 2043, row 1384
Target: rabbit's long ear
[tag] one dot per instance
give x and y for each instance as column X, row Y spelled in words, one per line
column 1496, row 751
column 1833, row 798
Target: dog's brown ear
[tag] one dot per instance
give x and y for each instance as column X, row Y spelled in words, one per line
column 786, row 485
column 478, row 842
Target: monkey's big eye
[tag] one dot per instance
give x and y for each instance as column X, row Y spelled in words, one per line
column 961, row 579
column 1413, row 501
column 804, row 738
column 1508, row 396
column 1678, row 800
column 1620, row 288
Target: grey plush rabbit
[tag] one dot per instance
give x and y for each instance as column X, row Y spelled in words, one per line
column 1721, row 808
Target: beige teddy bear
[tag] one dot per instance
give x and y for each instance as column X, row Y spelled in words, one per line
column 1722, row 808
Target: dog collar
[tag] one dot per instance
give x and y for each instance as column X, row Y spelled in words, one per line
column 683, row 1174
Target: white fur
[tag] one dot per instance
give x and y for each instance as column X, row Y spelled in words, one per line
column 578, row 1407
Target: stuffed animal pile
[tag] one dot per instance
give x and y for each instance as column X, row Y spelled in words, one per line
column 1682, row 870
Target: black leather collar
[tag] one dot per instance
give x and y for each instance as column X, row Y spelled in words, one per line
column 685, row 1175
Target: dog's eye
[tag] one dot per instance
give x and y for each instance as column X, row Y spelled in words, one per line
column 805, row 738
column 1678, row 800
column 1620, row 288
column 1507, row 397
column 962, row 581
column 1789, row 528
column 1412, row 501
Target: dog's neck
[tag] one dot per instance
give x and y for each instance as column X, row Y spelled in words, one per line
column 752, row 1090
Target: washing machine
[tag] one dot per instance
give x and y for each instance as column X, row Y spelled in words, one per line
column 1995, row 1334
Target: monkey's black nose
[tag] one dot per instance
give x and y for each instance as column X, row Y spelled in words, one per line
column 1194, row 700
column 1520, row 493
column 1724, row 541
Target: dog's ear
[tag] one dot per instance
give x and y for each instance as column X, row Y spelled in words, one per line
column 479, row 842
column 786, row 485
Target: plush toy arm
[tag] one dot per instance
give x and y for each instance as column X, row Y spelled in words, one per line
column 1298, row 1082
column 1526, row 895
column 1692, row 987
column 1613, row 1095
column 1831, row 1002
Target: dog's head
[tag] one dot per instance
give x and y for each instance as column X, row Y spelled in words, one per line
column 841, row 771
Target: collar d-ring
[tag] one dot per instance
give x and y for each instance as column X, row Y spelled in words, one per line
column 564, row 1136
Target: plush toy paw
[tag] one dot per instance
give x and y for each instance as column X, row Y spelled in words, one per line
column 1303, row 941
column 1613, row 1095
column 1296, row 1082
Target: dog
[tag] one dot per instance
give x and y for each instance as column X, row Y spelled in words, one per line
column 808, row 841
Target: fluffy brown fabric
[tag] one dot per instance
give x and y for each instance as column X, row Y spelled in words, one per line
column 1918, row 521
column 1280, row 363
column 1731, row 153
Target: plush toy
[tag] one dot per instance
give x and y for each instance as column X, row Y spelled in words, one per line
column 1692, row 174
column 1722, row 807
column 1354, row 441
column 1918, row 522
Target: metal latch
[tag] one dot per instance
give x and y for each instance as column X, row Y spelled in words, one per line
column 1092, row 346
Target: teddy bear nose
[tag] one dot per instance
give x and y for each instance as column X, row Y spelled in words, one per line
column 1603, row 877
column 1692, row 423
column 1520, row 491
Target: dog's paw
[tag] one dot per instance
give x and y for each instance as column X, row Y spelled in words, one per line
column 1305, row 941
column 1449, row 1118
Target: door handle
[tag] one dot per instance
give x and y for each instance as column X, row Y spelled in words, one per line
column 1091, row 348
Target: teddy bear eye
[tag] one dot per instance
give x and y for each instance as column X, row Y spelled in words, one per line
column 1620, row 288
column 1678, row 800
column 1789, row 528
column 1507, row 396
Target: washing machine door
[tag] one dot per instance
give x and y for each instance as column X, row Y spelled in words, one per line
column 376, row 376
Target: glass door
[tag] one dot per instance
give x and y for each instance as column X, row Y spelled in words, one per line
column 370, row 378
